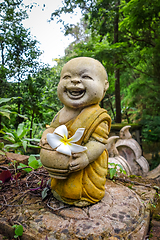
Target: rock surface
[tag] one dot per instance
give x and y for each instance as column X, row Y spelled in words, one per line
column 14, row 156
column 155, row 173
column 121, row 214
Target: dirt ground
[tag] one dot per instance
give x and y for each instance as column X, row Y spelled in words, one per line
column 13, row 191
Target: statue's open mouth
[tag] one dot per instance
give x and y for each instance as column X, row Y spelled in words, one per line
column 75, row 93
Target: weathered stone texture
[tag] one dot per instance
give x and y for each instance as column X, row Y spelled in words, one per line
column 122, row 214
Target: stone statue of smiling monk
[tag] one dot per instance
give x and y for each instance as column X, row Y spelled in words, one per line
column 79, row 178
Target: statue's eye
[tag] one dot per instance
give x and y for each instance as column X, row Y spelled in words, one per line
column 66, row 77
column 86, row 77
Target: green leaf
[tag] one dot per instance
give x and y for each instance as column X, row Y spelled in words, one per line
column 112, row 164
column 9, row 134
column 26, row 169
column 14, row 226
column 2, row 100
column 22, row 165
column 44, row 192
column 20, row 129
column 16, row 145
column 33, row 139
column 19, row 230
column 22, row 116
column 5, row 114
column 2, row 153
column 1, row 145
column 119, row 166
column 9, row 138
column 31, row 158
column 5, row 108
column 39, row 162
column 1, row 131
column 25, row 131
column 24, row 143
column 33, row 146
column 34, row 164
column 112, row 172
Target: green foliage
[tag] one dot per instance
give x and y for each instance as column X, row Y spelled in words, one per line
column 44, row 188
column 130, row 186
column 32, row 162
column 151, row 128
column 20, row 49
column 155, row 161
column 0, row 184
column 45, row 192
column 18, row 138
column 18, row 230
column 50, row 103
column 156, row 217
column 2, row 148
column 115, row 169
column 4, row 109
column 137, row 50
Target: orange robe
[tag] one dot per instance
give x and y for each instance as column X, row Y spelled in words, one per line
column 87, row 184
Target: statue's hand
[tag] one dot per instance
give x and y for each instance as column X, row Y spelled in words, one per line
column 43, row 141
column 80, row 161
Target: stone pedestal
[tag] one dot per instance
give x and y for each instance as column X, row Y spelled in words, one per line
column 122, row 214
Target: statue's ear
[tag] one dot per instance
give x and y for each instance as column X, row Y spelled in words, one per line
column 106, row 86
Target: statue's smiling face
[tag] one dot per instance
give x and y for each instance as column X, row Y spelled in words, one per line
column 83, row 82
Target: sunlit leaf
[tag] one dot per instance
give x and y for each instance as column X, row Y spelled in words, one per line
column 112, row 172
column 39, row 162
column 5, row 114
column 4, row 100
column 31, row 158
column 20, row 129
column 120, row 166
column 21, row 165
column 34, row 164
column 19, row 230
column 24, row 143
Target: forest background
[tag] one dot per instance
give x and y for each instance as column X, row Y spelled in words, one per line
column 123, row 35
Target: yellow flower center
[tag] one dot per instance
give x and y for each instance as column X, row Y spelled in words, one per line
column 65, row 141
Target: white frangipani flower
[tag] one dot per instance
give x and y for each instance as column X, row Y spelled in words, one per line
column 59, row 140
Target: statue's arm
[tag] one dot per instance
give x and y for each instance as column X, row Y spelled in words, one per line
column 94, row 150
column 81, row 160
column 95, row 147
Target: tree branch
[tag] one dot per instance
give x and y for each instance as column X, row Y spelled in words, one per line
column 139, row 69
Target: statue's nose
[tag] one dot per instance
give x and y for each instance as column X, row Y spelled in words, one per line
column 75, row 80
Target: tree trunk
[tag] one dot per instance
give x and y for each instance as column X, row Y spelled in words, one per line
column 32, row 124
column 117, row 71
column 1, row 80
column 117, row 96
column 2, row 52
column 111, row 107
column 19, row 119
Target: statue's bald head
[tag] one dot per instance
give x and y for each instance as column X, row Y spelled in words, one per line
column 89, row 62
column 83, row 82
